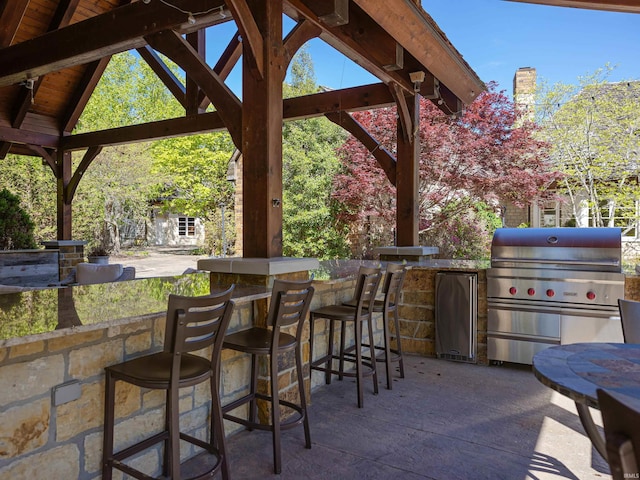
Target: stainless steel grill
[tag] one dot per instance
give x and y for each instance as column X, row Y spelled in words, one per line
column 550, row 286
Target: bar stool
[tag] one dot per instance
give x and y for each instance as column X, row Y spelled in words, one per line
column 364, row 298
column 193, row 323
column 630, row 320
column 392, row 289
column 289, row 306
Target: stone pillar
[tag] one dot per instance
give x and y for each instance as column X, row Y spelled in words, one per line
column 71, row 252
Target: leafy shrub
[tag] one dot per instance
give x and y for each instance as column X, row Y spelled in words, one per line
column 16, row 227
column 465, row 234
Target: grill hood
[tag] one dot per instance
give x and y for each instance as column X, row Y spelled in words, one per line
column 590, row 249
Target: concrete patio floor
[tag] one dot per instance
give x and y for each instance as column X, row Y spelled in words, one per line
column 444, row 421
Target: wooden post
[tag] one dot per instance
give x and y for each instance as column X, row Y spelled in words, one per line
column 63, row 177
column 262, row 135
column 407, row 178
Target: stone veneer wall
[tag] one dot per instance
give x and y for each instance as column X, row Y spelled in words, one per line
column 632, row 287
column 65, row 441
column 513, row 216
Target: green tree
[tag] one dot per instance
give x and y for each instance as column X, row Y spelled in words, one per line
column 195, row 170
column 118, row 185
column 114, row 192
column 33, row 182
column 309, row 164
column 594, row 130
column 16, row 228
column 128, row 93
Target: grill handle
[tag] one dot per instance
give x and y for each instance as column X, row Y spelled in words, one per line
column 614, row 263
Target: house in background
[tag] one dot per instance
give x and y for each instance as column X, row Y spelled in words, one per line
column 163, row 229
column 561, row 214
column 174, row 230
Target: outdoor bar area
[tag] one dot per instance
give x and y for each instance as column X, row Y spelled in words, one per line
column 55, row 343
column 56, row 340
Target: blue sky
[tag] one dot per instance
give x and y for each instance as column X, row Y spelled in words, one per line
column 497, row 37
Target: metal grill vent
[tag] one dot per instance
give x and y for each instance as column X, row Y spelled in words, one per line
column 457, row 358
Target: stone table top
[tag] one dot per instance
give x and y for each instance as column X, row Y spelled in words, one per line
column 577, row 370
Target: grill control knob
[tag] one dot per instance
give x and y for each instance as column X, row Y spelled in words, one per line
column 531, row 291
column 513, row 290
column 550, row 293
column 591, row 295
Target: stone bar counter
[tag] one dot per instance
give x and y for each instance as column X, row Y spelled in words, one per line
column 417, row 305
column 54, row 345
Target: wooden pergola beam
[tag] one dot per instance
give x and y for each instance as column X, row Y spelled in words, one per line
column 28, row 137
column 164, row 73
column 262, row 137
column 343, row 38
column 252, row 38
column 223, row 67
column 158, row 130
column 296, row 38
column 121, row 29
column 47, row 156
column 408, row 24
column 82, row 94
column 180, row 51
column 22, row 103
column 376, row 95
column 87, row 159
column 371, row 96
column 404, row 117
column 11, row 13
column 197, row 40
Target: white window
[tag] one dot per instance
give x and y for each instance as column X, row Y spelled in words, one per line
column 550, row 214
column 186, row 226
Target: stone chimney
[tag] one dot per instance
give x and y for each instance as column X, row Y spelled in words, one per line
column 524, row 91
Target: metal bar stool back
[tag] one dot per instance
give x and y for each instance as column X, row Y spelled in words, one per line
column 289, row 306
column 392, row 289
column 366, row 290
column 630, row 317
column 193, row 324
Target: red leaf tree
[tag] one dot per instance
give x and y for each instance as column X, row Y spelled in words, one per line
column 468, row 166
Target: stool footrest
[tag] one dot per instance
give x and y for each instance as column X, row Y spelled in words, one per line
column 348, row 357
column 287, row 423
column 187, row 467
column 140, row 446
column 395, row 356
